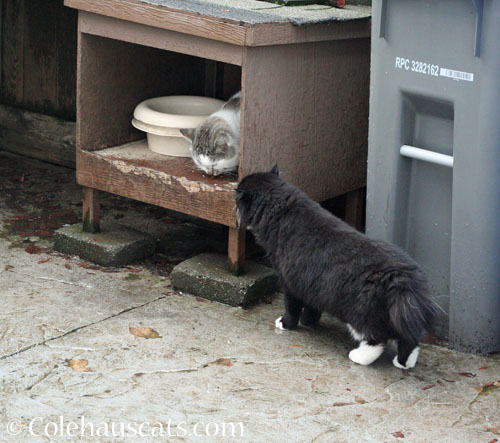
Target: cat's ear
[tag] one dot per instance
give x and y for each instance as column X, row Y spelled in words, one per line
column 275, row 170
column 188, row 133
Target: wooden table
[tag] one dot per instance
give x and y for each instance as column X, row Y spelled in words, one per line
column 304, row 104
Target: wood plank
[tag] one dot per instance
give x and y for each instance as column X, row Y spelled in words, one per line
column 265, row 34
column 133, row 171
column 236, row 250
column 166, row 18
column 160, row 38
column 115, row 76
column 11, row 91
column 90, row 210
column 36, row 135
column 66, row 37
column 305, row 107
column 354, row 208
column 40, row 64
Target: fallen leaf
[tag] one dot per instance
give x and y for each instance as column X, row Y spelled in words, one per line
column 133, row 270
column 342, row 403
column 467, row 374
column 360, row 400
column 449, row 381
column 8, row 267
column 486, row 388
column 494, row 430
column 144, row 332
column 67, row 266
column 44, row 261
column 493, row 441
column 309, row 379
column 406, row 373
column 33, row 249
column 200, row 299
column 347, row 389
column 398, row 434
column 295, row 346
column 224, row 362
column 427, row 387
column 79, row 365
column 483, row 368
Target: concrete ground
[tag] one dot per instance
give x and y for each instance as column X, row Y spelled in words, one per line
column 105, row 348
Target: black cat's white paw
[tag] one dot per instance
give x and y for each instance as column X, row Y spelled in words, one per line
column 279, row 324
column 410, row 361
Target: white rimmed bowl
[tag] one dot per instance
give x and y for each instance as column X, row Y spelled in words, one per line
column 163, row 117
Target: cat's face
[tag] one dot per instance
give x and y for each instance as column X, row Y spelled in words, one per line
column 254, row 195
column 214, row 148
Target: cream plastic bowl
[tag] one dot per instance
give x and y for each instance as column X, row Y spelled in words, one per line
column 162, row 117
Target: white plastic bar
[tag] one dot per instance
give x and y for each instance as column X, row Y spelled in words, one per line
column 426, row 156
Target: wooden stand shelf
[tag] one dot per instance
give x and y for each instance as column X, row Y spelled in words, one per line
column 304, row 103
column 132, row 170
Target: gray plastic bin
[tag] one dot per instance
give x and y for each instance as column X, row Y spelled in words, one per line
column 434, row 154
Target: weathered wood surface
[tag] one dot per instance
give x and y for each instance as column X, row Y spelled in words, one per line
column 165, row 18
column 354, row 208
column 90, row 210
column 133, row 32
column 114, row 76
column 236, row 250
column 305, row 107
column 133, row 171
column 37, row 135
column 219, row 29
column 38, row 62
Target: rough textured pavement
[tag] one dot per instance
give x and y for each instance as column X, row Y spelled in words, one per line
column 67, row 349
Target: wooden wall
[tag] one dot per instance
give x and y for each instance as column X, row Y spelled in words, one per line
column 38, row 57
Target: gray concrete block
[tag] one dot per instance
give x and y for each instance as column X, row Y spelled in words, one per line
column 207, row 276
column 114, row 245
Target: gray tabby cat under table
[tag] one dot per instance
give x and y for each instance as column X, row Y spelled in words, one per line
column 215, row 144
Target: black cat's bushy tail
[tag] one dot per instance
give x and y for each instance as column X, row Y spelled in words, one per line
column 412, row 312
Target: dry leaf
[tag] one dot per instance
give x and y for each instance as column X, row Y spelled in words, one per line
column 79, row 365
column 8, row 267
column 200, row 299
column 487, row 387
column 44, row 261
column 360, row 400
column 67, row 266
column 144, row 332
column 132, row 270
column 483, row 368
column 427, row 387
column 33, row 249
column 295, row 346
column 495, row 430
column 224, row 362
column 493, row 441
column 467, row 374
column 398, row 434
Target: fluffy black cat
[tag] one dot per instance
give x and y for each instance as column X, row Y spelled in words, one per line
column 325, row 265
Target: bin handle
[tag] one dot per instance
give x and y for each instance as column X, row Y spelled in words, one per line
column 425, row 155
column 478, row 5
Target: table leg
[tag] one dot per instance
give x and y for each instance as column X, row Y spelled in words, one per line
column 90, row 210
column 236, row 250
column 354, row 205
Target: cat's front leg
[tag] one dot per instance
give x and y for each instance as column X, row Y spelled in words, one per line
column 293, row 308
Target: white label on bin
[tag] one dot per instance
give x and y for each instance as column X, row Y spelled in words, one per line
column 456, row 75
